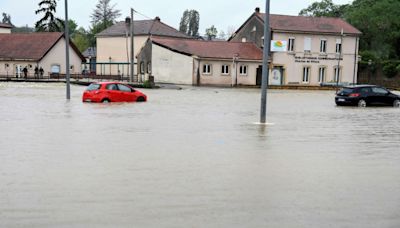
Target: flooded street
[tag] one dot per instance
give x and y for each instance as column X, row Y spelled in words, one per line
column 195, row 158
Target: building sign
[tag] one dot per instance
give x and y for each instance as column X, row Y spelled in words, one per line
column 311, row 59
column 278, row 45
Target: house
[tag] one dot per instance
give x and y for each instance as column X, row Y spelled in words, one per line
column 197, row 62
column 113, row 44
column 310, row 50
column 5, row 28
column 31, row 50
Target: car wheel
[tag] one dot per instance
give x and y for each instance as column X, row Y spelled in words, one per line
column 140, row 99
column 396, row 103
column 362, row 103
column 105, row 100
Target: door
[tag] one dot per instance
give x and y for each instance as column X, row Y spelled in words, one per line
column 277, row 76
column 380, row 96
column 127, row 94
column 113, row 93
column 259, row 76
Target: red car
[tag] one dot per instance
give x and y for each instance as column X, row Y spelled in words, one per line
column 112, row 92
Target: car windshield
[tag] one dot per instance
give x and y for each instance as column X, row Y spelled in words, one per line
column 92, row 87
column 345, row 91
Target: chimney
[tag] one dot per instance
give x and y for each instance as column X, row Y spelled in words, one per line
column 127, row 20
column 157, row 18
column 258, row 10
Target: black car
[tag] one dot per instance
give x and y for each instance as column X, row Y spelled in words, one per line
column 367, row 95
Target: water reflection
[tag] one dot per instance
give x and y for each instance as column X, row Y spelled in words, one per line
column 194, row 157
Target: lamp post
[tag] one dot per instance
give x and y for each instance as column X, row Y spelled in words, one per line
column 340, row 55
column 265, row 70
column 67, row 51
column 132, row 46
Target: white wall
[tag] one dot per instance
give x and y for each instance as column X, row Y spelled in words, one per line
column 5, row 30
column 171, row 67
column 57, row 57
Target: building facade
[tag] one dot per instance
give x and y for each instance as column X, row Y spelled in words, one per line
column 37, row 50
column 114, row 43
column 316, row 50
column 196, row 62
column 5, row 28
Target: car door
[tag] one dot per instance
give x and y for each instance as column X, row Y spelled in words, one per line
column 113, row 93
column 380, row 96
column 127, row 93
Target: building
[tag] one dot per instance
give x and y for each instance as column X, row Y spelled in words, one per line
column 113, row 44
column 5, row 28
column 197, row 62
column 31, row 50
column 314, row 47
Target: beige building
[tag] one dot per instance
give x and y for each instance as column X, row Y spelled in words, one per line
column 114, row 43
column 196, row 62
column 311, row 48
column 41, row 50
column 5, row 28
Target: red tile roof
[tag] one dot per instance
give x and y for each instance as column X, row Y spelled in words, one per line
column 29, row 46
column 309, row 24
column 211, row 49
column 5, row 26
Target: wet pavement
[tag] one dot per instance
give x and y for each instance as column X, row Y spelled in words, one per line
column 195, row 157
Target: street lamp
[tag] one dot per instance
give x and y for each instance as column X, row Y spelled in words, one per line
column 67, row 51
column 265, row 70
column 369, row 70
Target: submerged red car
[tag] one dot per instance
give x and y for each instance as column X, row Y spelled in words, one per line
column 112, row 92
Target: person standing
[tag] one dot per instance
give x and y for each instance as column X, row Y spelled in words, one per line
column 41, row 71
column 25, row 70
column 36, row 72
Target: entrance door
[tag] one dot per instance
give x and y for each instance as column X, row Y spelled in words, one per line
column 259, row 76
column 277, row 76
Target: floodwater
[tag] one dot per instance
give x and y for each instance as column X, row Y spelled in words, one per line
column 195, row 158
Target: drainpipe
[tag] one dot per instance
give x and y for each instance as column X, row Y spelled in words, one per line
column 355, row 61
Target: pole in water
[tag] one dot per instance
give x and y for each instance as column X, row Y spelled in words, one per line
column 265, row 70
column 66, row 33
column 132, row 71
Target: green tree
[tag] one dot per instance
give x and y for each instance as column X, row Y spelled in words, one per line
column 81, row 39
column 190, row 23
column 23, row 29
column 104, row 13
column 49, row 22
column 6, row 19
column 324, row 8
column 379, row 23
column 211, row 32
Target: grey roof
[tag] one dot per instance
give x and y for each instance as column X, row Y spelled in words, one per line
column 5, row 26
column 90, row 51
column 143, row 27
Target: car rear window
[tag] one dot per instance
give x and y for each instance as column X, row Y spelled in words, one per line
column 346, row 91
column 92, row 87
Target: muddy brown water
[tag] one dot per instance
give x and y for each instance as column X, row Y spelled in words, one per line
column 195, row 158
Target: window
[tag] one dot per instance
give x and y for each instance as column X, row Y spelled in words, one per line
column 262, row 41
column 243, row 70
column 225, row 70
column 244, row 39
column 149, row 67
column 322, row 47
column 378, row 90
column 306, row 74
column 307, row 44
column 206, row 69
column 124, row 88
column 291, row 45
column 55, row 69
column 321, row 74
column 338, row 46
column 111, row 87
column 142, row 67
column 337, row 72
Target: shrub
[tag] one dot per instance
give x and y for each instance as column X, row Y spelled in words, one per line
column 390, row 69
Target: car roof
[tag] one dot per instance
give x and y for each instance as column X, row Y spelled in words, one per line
column 360, row 86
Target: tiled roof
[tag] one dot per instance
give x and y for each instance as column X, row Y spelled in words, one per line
column 211, row 49
column 29, row 46
column 143, row 27
column 5, row 25
column 309, row 24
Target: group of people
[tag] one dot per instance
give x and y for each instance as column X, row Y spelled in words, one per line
column 38, row 72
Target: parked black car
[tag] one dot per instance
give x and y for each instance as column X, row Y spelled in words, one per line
column 367, row 95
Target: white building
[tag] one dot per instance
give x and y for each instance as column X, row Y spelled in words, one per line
column 314, row 47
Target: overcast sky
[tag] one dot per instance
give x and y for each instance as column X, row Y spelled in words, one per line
column 221, row 13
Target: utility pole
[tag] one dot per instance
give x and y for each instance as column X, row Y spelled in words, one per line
column 66, row 33
column 265, row 70
column 132, row 47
